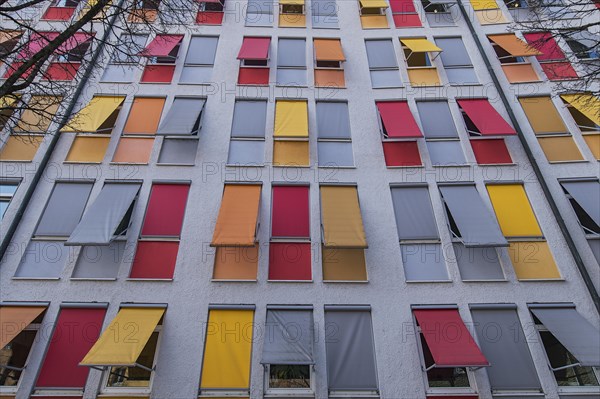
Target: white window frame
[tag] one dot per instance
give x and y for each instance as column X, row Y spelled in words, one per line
column 8, row 390
column 8, row 197
column 278, row 392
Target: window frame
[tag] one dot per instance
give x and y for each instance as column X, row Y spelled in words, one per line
column 383, row 69
column 291, row 68
column 247, row 138
column 346, row 140
column 7, row 198
column 289, row 391
column 12, row 390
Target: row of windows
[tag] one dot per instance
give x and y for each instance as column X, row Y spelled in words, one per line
column 94, row 237
column 449, row 355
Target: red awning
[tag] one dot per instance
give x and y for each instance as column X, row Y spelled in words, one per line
column 448, row 339
column 37, row 41
column 255, row 48
column 485, row 117
column 398, row 120
column 74, row 41
column 402, row 6
column 545, row 43
column 161, row 46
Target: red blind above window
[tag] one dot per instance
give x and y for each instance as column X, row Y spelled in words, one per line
column 485, row 117
column 398, row 120
column 291, row 215
column 254, row 48
column 166, row 208
column 155, row 260
column 253, row 76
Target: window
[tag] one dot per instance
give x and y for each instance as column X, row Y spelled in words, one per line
column 161, row 54
column 372, row 14
column 329, row 71
column 291, row 62
column 516, row 4
column 34, row 44
column 290, row 137
column 59, row 371
column 511, row 52
column 583, row 108
column 210, row 12
column 324, row 14
column 8, row 41
column 254, row 61
column 422, row 255
column 60, row 10
column 404, row 14
column 247, row 145
column 383, row 66
column 552, row 60
column 100, row 262
column 440, row 134
column 199, row 60
column 122, row 65
column 343, row 236
column 291, row 14
column 144, row 11
column 439, row 12
column 350, row 350
column 178, row 151
column 584, row 196
column 334, row 141
column 20, row 326
column 259, row 13
column 584, row 45
column 290, row 246
column 457, row 63
column 7, row 192
column 488, row 12
column 67, row 60
column 418, row 54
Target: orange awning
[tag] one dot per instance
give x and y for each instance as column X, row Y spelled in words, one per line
column 14, row 319
column 238, row 216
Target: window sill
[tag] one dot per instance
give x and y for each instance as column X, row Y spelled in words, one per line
column 427, row 281
column 93, row 279
column 233, row 165
column 158, row 280
column 406, row 167
column 485, row 281
column 346, row 281
column 290, row 281
column 497, row 164
column 335, row 167
column 175, row 164
column 565, row 162
column 542, row 280
column 216, row 280
column 35, row 278
column 81, row 163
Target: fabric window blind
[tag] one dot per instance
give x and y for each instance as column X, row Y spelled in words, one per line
column 237, row 221
column 183, row 118
column 333, row 120
column 414, row 213
column 513, row 210
column 341, row 218
column 289, row 338
column 64, row 209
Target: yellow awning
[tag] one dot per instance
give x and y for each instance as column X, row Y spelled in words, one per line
column 420, row 45
column 292, row 2
column 585, row 103
column 513, row 45
column 373, row 4
column 484, row 4
column 341, row 218
column 291, row 119
column 14, row 319
column 93, row 115
column 115, row 347
column 228, row 349
column 7, row 101
column 513, row 211
column 238, row 216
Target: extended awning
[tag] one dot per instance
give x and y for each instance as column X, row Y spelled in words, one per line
column 107, row 217
column 341, row 219
column 474, row 221
column 8, row 35
column 289, row 336
column 255, row 48
column 291, row 119
column 36, row 42
column 161, row 46
column 448, row 338
column 587, row 195
column 115, row 347
column 397, row 120
column 421, row 46
column 513, row 45
column 183, row 117
column 7, row 101
column 14, row 319
column 572, row 330
column 95, row 114
column 74, row 41
column 329, row 50
column 237, row 222
column 373, row 4
column 485, row 117
column 585, row 103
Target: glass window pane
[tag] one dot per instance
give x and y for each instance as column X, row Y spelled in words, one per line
column 461, row 76
column 559, row 356
column 478, row 263
column 135, row 377
column 118, row 73
column 289, row 376
column 15, row 354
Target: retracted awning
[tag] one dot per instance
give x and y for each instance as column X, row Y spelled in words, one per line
column 587, row 104
column 14, row 319
column 587, row 195
column 106, row 217
column 420, row 46
column 292, row 2
column 161, row 46
column 513, row 45
column 341, row 218
column 289, row 337
column 115, row 347
column 238, row 217
column 255, row 48
column 448, row 338
column 398, row 120
column 485, row 117
column 94, row 115
column 329, row 50
column 183, row 117
column 373, row 4
column 572, row 330
column 291, row 119
column 475, row 222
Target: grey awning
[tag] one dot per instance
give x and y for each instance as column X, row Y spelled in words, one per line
column 107, row 216
column 350, row 351
column 183, row 118
column 64, row 209
column 289, row 337
column 414, row 213
column 587, row 195
column 477, row 225
column 573, row 331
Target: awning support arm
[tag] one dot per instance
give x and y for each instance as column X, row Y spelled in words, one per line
column 568, row 366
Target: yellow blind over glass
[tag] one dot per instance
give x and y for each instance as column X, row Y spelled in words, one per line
column 291, row 119
column 542, row 115
column 587, row 104
column 373, row 4
column 484, row 4
column 93, row 115
column 514, row 213
column 228, row 349
column 123, row 340
column 420, row 45
column 342, row 221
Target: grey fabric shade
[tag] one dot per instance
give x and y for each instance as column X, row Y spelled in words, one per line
column 118, row 73
column 587, row 195
column 454, row 52
column 462, row 76
column 424, row 262
column 100, row 262
column 246, row 152
column 446, row 152
column 335, row 153
column 573, row 331
column 414, row 213
column 291, row 77
column 202, row 50
column 477, row 225
column 99, row 224
column 289, row 337
column 291, row 53
column 183, row 117
column 350, row 350
column 249, row 119
column 595, row 247
column 130, row 46
column 380, row 54
column 178, row 151
column 333, row 120
column 43, row 259
column 478, row 263
column 504, row 344
column 64, row 209
column 436, row 119
column 196, row 74
column 385, row 78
